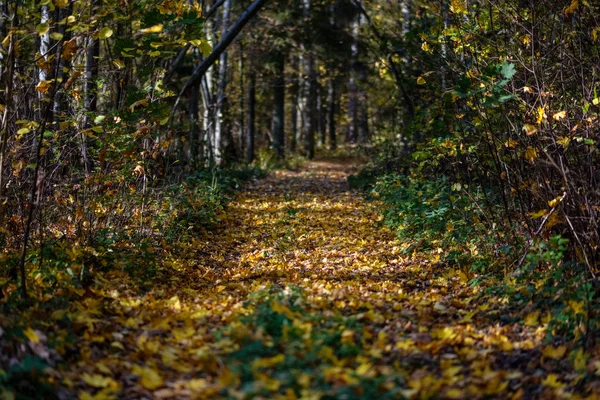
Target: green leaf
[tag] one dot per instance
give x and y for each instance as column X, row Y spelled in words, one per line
column 508, row 70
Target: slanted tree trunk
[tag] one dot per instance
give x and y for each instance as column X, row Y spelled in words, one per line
column 251, row 129
column 278, row 122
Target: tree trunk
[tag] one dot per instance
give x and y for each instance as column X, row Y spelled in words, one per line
column 278, row 123
column 301, row 99
column 322, row 115
column 332, row 110
column 294, row 104
column 352, row 133
column 310, row 89
column 194, row 121
column 218, row 143
column 250, row 130
column 91, row 94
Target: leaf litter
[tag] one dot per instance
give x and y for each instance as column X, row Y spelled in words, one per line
column 302, row 293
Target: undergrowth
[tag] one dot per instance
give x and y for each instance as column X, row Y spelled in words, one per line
column 63, row 270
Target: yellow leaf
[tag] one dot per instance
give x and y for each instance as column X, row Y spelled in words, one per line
column 425, row 47
column 555, row 353
column 531, row 154
column 572, row 7
column 42, row 29
column 564, row 141
column 268, row 362
column 149, row 378
column 530, row 129
column 61, row 3
column 407, row 344
column 268, row 383
column 56, row 36
column 105, row 33
column 69, row 49
column 541, row 114
column 511, row 144
column 559, row 115
column 595, row 32
column 119, row 64
column 153, row 29
column 553, row 382
column 98, row 381
column 579, row 359
column 421, row 81
column 532, row 319
column 554, row 202
column 142, row 103
column 363, row 369
column 205, row 48
column 458, row 6
column 31, row 335
column 578, row 307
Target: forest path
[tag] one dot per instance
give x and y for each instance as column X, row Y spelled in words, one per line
column 302, row 293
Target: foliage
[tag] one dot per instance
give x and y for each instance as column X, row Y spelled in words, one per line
column 299, row 293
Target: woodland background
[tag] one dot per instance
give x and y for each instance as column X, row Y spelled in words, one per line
column 126, row 125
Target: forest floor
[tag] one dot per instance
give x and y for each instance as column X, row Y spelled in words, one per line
column 301, row 292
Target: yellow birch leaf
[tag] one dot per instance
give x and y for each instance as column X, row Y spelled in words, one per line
column 98, row 381
column 105, row 33
column 564, row 141
column 153, row 29
column 555, row 353
column 541, row 114
column 530, row 154
column 61, row 3
column 205, row 48
column 595, row 32
column 43, row 86
column 56, row 36
column 31, row 335
column 578, row 307
column 42, row 29
column 538, row 214
column 572, row 7
column 458, row 6
column 579, row 360
column 559, row 115
column 149, row 378
column 421, row 81
column 554, row 202
column 553, row 382
column 532, row 319
column 530, row 129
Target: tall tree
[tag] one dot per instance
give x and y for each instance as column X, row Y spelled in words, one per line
column 219, row 138
column 310, row 83
column 278, row 121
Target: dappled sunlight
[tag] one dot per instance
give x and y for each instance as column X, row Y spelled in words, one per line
column 418, row 330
